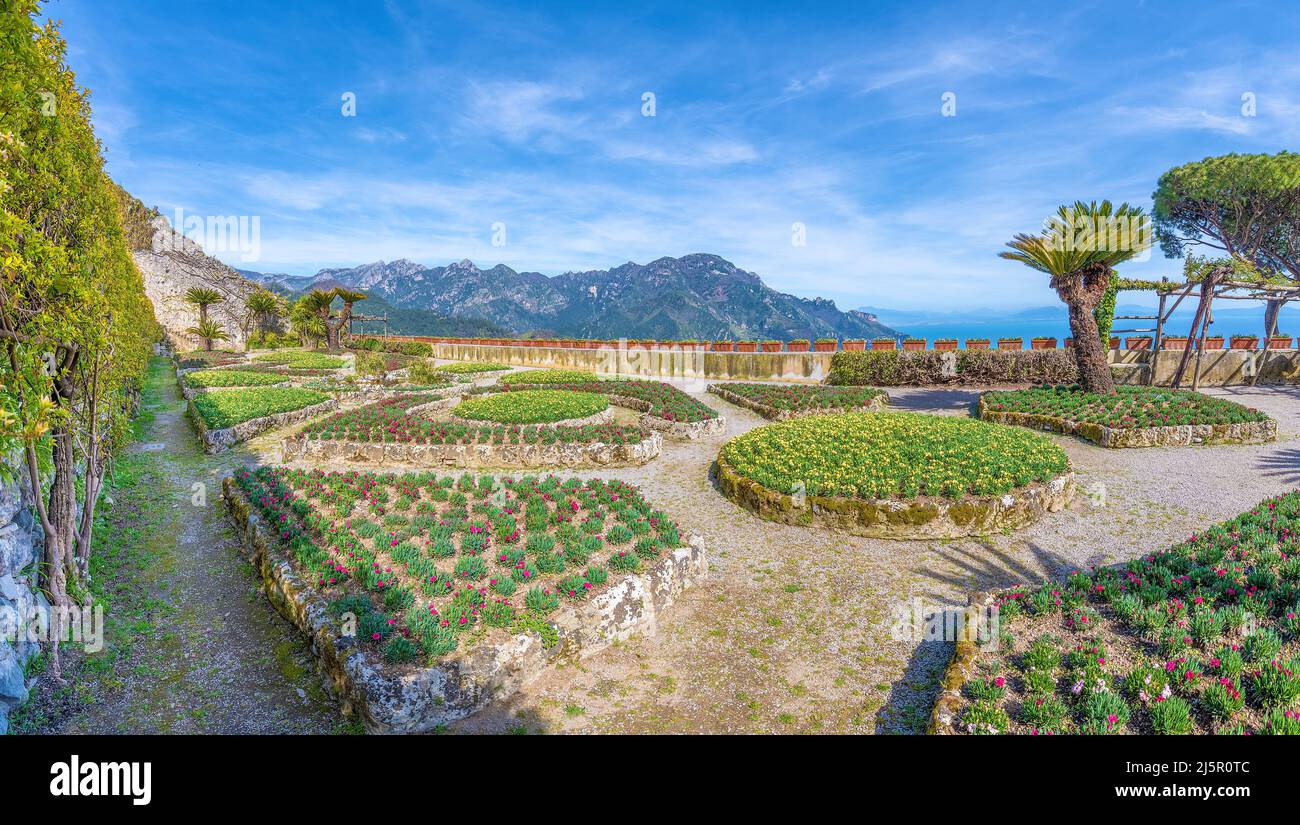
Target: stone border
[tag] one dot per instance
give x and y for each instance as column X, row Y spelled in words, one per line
column 423, row 700
column 216, row 441
column 688, row 430
column 572, row 455
column 959, row 671
column 922, row 518
column 771, row 413
column 1181, row 435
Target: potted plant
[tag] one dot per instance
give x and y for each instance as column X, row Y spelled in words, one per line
column 1244, row 341
column 1011, row 343
column 746, row 346
column 913, row 344
column 723, row 346
column 1042, row 343
column 1114, row 342
column 1279, row 341
column 977, row 343
column 1214, row 342
column 797, row 345
column 1174, row 342
column 855, row 344
column 883, row 343
column 946, row 344
column 825, row 344
column 1138, row 342
column 771, row 345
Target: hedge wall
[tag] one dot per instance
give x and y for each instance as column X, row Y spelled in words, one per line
column 896, row 368
column 417, row 348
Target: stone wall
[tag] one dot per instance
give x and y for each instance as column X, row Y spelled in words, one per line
column 19, row 548
column 180, row 266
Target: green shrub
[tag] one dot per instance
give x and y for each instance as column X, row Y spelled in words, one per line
column 898, row 368
column 226, row 408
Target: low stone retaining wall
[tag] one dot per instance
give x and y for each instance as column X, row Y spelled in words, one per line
column 1250, row 432
column 474, row 456
column 216, row 441
column 929, row 518
column 771, row 413
column 960, row 670
column 401, row 700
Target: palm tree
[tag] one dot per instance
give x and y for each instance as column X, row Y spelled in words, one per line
column 320, row 303
column 1079, row 251
column 263, row 305
column 209, row 331
column 202, row 298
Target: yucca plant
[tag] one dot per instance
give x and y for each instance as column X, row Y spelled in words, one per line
column 210, row 332
column 1079, row 250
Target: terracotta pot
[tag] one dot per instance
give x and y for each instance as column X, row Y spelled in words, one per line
column 797, row 346
column 855, row 346
column 945, row 346
column 723, row 346
column 1177, row 344
column 1114, row 342
column 1244, row 343
column 1279, row 342
column 824, row 346
column 746, row 346
column 1137, row 343
column 1011, row 343
column 914, row 346
column 771, row 346
column 1069, row 343
column 1043, row 343
column 1214, row 342
column 976, row 344
column 885, row 345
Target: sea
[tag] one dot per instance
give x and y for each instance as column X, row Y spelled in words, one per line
column 1053, row 322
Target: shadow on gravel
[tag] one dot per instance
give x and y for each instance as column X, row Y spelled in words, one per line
column 1283, row 465
column 935, row 399
column 907, row 708
column 985, row 566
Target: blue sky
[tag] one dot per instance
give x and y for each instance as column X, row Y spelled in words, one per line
column 530, row 115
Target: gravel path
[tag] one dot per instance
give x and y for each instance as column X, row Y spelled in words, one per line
column 193, row 646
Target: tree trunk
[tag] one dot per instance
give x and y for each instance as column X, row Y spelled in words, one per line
column 1089, row 353
column 1271, row 311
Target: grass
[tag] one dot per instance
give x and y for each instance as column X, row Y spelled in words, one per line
column 1201, row 637
column 230, row 407
column 532, row 407
column 893, row 455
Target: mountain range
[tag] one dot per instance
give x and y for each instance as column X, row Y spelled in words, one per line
column 695, row 296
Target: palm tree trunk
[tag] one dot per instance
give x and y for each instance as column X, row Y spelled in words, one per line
column 1089, row 352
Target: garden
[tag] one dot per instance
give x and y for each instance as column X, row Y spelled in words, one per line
column 895, row 475
column 1202, row 637
column 657, row 400
column 221, row 410
column 1132, row 417
column 775, row 401
column 216, row 378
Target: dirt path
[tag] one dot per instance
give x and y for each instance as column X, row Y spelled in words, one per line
column 192, row 646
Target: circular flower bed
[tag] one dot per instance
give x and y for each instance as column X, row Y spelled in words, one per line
column 532, row 406
column 547, row 377
column 896, row 474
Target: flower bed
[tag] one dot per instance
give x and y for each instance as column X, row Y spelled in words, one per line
column 895, row 475
column 471, row 368
column 203, row 358
column 302, row 359
column 224, row 418
column 654, row 398
column 548, row 377
column 1200, row 638
column 532, row 407
column 779, row 402
column 1134, row 417
column 429, row 597
column 393, row 431
column 204, row 379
